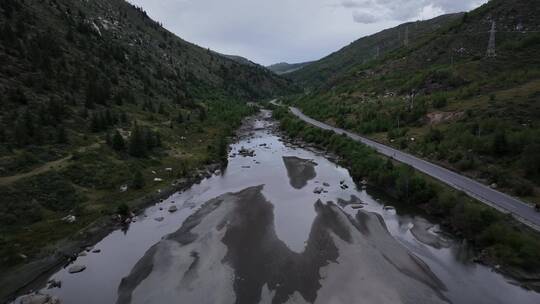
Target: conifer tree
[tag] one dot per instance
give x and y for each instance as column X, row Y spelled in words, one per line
column 138, row 180
column 180, row 117
column 137, row 144
column 61, row 135
column 118, row 142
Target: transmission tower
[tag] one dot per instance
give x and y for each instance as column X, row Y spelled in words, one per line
column 406, row 41
column 491, row 44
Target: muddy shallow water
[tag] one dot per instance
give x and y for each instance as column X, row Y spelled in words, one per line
column 284, row 226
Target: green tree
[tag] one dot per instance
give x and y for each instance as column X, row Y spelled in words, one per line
column 61, row 135
column 108, row 139
column 180, row 118
column 118, row 142
column 137, row 142
column 138, row 180
column 500, row 144
column 440, row 101
column 223, row 148
column 202, row 114
column 123, row 210
column 530, row 159
column 20, row 135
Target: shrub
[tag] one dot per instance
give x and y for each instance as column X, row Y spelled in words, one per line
column 440, row 101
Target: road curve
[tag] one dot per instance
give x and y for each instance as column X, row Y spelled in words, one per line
column 503, row 202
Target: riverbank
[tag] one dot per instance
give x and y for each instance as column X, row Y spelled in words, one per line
column 34, row 274
column 500, row 242
column 52, row 215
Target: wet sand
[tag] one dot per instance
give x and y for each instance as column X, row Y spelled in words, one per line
column 228, row 252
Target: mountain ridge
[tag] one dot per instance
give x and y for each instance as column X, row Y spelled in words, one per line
column 283, row 68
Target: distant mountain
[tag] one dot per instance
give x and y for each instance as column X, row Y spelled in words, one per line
column 286, row 68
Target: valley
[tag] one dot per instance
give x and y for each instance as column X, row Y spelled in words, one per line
column 138, row 167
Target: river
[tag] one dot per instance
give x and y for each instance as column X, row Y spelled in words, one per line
column 259, row 233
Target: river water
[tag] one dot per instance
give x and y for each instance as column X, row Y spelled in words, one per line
column 258, row 233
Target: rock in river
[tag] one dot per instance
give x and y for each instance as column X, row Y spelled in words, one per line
column 39, row 299
column 76, row 268
column 318, row 190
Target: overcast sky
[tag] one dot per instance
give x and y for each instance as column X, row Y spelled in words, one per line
column 271, row 31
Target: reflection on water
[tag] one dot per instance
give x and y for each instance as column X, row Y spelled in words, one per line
column 300, row 171
column 286, row 178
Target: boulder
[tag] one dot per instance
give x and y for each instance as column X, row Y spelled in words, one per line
column 76, row 268
column 159, row 219
column 39, row 299
column 69, row 219
column 173, row 209
column 318, row 190
column 54, row 284
column 326, row 184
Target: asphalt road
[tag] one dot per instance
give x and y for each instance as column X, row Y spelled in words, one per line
column 503, row 202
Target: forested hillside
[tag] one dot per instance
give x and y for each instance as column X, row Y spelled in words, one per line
column 444, row 97
column 96, row 101
column 330, row 69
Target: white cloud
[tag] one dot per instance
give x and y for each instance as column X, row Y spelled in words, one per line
column 365, row 18
column 352, row 3
column 288, row 30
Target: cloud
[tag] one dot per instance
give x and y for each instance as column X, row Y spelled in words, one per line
column 404, row 10
column 364, row 18
column 284, row 30
column 351, row 4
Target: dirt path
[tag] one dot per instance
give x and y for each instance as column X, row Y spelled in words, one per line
column 56, row 164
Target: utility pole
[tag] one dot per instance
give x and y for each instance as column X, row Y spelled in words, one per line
column 411, row 104
column 491, row 45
